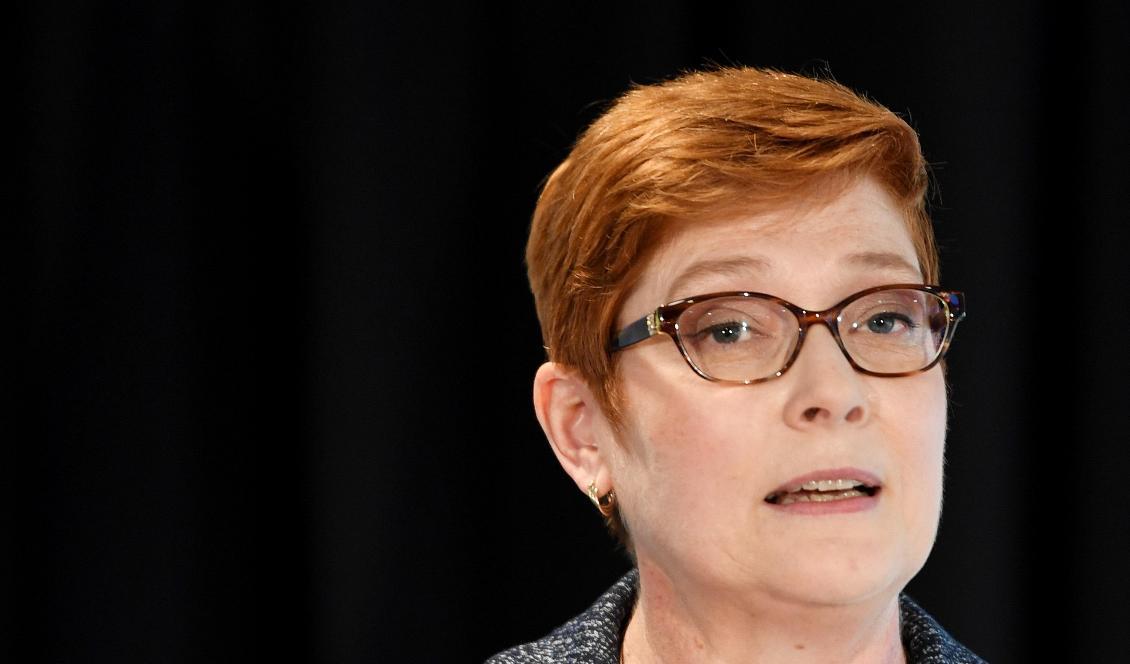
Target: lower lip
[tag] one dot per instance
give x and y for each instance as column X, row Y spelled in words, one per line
column 842, row 506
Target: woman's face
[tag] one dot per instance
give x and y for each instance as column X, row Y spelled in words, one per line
column 697, row 459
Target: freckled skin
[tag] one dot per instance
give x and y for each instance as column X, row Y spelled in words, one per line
column 696, row 459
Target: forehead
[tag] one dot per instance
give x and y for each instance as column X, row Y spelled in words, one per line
column 812, row 250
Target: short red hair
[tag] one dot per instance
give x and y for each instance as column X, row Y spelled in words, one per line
column 681, row 151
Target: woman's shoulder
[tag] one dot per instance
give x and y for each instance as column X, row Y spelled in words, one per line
column 927, row 642
column 593, row 636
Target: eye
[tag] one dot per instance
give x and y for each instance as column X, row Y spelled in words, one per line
column 730, row 327
column 729, row 332
column 887, row 322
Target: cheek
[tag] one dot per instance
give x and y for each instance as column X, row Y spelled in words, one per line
column 914, row 412
column 670, row 446
column 683, row 463
column 920, row 450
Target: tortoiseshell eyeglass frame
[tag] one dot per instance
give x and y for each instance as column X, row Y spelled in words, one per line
column 665, row 320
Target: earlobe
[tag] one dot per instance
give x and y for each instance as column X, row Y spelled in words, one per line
column 573, row 423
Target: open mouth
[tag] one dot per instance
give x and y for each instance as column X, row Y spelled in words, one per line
column 821, row 491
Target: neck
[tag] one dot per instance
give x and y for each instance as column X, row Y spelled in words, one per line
column 672, row 624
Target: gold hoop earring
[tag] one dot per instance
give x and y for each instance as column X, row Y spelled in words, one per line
column 606, row 503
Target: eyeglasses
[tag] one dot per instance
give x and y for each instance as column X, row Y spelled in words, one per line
column 740, row 337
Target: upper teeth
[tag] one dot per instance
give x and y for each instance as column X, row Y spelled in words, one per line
column 830, row 485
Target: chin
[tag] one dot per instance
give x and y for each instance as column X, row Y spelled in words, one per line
column 844, row 580
column 841, row 589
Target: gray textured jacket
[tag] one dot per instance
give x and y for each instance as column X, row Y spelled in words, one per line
column 594, row 636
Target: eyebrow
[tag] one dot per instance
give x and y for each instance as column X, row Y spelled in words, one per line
column 741, row 266
column 882, row 260
column 734, row 266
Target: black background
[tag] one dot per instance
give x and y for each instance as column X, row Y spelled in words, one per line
column 278, row 344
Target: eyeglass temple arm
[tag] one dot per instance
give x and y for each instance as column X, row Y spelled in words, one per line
column 957, row 306
column 636, row 332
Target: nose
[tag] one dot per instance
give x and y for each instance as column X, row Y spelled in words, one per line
column 824, row 389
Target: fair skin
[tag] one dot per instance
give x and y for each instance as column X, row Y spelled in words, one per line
column 724, row 575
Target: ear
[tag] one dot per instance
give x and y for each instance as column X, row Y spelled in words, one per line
column 574, row 424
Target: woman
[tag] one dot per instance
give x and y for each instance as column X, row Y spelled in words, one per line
column 731, row 272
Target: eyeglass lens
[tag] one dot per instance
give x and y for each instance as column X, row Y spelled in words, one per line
column 749, row 338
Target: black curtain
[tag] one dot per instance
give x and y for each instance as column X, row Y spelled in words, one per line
column 277, row 343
